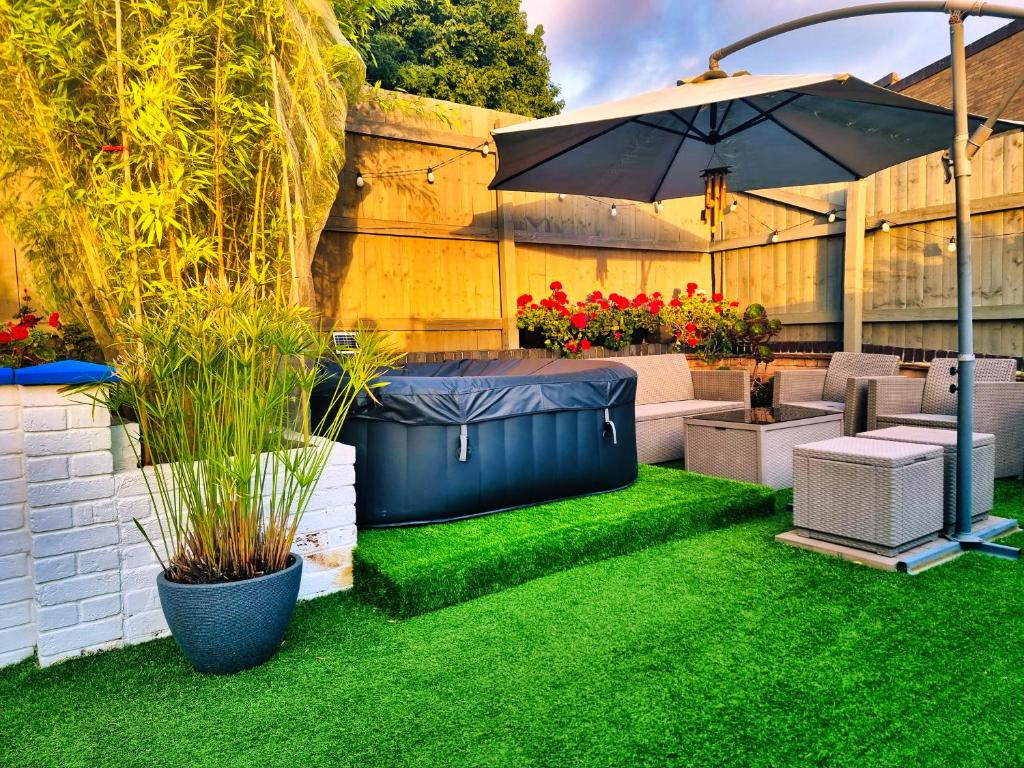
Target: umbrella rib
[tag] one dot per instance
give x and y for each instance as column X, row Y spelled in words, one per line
column 698, row 133
column 668, row 168
column 657, row 127
column 804, row 139
column 761, row 117
column 561, row 152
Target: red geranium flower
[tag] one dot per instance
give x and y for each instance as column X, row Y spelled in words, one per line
column 580, row 320
column 693, row 341
column 655, row 307
column 5, row 337
column 556, row 286
column 533, row 306
column 716, row 297
column 562, row 310
column 547, row 303
column 596, row 295
column 691, row 287
column 571, row 346
column 29, row 320
column 618, row 335
column 603, row 304
column 19, row 332
column 734, row 303
column 678, row 334
column 718, row 310
column 641, row 298
column 585, row 345
column 675, row 303
column 656, row 295
column 561, row 297
column 691, row 328
column 522, row 301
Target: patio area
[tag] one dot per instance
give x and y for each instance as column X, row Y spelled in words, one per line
column 722, row 649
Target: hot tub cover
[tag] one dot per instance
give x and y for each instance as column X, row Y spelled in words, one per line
column 468, row 391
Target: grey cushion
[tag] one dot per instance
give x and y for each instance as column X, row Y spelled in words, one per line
column 660, row 378
column 938, row 399
column 653, row 411
column 845, row 365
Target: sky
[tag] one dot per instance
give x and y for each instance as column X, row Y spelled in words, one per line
column 603, row 50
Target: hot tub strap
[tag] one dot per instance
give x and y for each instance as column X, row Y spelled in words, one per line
column 463, row 443
column 609, row 427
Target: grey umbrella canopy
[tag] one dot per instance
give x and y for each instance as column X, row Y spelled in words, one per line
column 768, row 130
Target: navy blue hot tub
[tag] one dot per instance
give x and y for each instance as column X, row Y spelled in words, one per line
column 468, row 437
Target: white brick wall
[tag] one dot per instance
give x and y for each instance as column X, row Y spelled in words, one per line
column 76, row 575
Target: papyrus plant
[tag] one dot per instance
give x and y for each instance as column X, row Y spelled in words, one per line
column 147, row 145
column 221, row 385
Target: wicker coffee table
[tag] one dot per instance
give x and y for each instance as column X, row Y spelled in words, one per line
column 756, row 444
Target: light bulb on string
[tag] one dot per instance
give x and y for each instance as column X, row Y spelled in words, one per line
column 832, row 216
column 485, row 150
column 951, row 245
column 359, row 180
column 615, row 210
column 658, row 205
column 562, row 195
column 733, row 206
column 775, row 237
column 886, row 226
column 430, row 175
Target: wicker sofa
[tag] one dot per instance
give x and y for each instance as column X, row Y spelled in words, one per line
column 668, row 391
column 928, row 402
column 843, row 386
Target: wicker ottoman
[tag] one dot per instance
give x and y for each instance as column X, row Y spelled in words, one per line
column 984, row 465
column 878, row 495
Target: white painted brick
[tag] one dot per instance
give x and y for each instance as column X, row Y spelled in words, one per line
column 335, row 538
column 141, row 600
column 12, row 441
column 15, row 614
column 10, row 467
column 74, row 540
column 140, row 578
column 11, row 517
column 97, row 463
column 101, row 511
column 136, row 556
column 15, row 590
column 100, row 607
column 131, row 482
column 10, row 394
column 9, row 418
column 79, row 637
column 50, row 519
column 98, row 560
column 69, row 441
column 38, row 397
column 54, row 568
column 78, row 588
column 48, row 419
column 13, row 566
column 42, row 468
column 322, row 498
column 122, row 439
column 85, row 416
column 335, row 476
column 322, row 519
column 145, row 626
column 15, row 541
column 57, row 616
column 66, row 491
column 6, row 659
column 134, row 507
column 342, row 454
column 130, row 533
column 12, row 491
column 17, row 637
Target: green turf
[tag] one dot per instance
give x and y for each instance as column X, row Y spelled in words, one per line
column 409, row 571
column 723, row 649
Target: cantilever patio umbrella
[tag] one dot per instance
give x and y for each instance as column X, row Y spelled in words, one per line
column 751, row 132
column 762, row 130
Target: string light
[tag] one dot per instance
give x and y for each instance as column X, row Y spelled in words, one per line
column 359, row 180
column 615, row 210
column 951, row 245
column 775, row 237
column 430, row 175
column 485, row 150
column 832, row 216
column 733, row 206
column 562, row 195
column 886, row 226
column 658, row 206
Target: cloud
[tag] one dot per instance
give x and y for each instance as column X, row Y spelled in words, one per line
column 607, row 49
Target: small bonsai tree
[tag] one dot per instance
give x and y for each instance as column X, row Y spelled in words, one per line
column 753, row 331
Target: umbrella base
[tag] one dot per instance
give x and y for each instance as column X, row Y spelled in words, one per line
column 971, row 542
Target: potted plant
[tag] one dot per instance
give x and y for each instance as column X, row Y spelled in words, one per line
column 219, row 383
column 753, row 331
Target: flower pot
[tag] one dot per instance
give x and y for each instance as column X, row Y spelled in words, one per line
column 639, row 336
column 225, row 628
column 531, row 339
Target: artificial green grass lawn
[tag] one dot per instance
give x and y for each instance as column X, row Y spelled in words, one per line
column 723, row 649
column 409, row 571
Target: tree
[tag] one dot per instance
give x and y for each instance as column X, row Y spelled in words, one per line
column 478, row 52
column 149, row 146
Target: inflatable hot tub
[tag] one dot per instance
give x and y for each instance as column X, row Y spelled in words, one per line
column 469, row 437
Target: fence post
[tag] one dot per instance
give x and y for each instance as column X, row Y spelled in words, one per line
column 853, row 267
column 506, row 271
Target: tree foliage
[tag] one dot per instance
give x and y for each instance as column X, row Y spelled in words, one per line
column 148, row 146
column 478, row 52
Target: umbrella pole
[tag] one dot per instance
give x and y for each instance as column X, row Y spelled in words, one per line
column 965, row 305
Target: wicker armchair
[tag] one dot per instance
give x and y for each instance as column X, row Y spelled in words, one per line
column 667, row 392
column 928, row 402
column 843, row 386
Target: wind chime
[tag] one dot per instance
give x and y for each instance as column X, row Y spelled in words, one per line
column 715, row 190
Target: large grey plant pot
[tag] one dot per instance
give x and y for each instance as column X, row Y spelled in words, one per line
column 225, row 628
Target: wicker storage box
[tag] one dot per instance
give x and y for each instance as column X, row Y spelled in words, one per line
column 878, row 495
column 983, row 471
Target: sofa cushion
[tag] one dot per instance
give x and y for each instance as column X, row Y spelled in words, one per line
column 660, row 378
column 678, row 408
column 845, row 365
column 935, row 420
